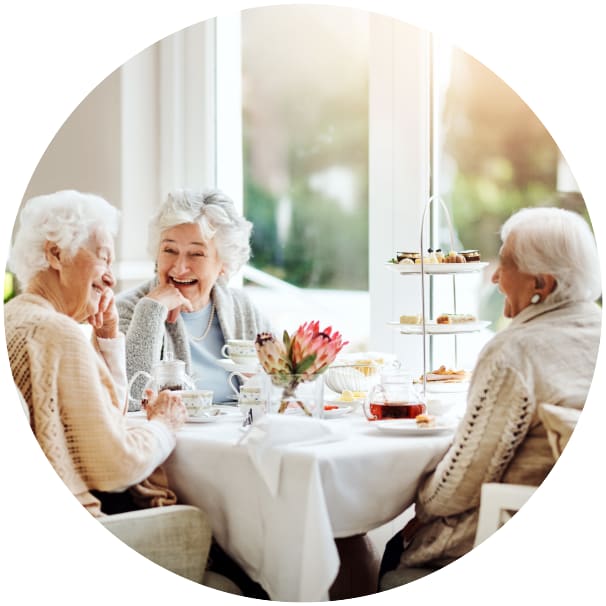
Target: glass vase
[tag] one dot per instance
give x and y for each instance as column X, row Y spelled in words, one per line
column 298, row 394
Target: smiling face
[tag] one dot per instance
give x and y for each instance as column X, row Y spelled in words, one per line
column 189, row 263
column 86, row 275
column 517, row 286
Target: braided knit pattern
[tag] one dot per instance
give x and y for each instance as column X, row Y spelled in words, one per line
column 74, row 412
column 547, row 354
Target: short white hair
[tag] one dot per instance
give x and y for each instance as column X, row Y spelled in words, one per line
column 67, row 218
column 547, row 240
column 218, row 218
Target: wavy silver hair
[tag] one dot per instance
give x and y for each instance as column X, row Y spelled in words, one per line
column 217, row 217
column 68, row 218
column 559, row 242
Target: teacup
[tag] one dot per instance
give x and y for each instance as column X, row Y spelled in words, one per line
column 241, row 351
column 257, row 384
column 196, row 401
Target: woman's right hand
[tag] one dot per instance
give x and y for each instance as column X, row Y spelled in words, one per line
column 172, row 299
column 166, row 407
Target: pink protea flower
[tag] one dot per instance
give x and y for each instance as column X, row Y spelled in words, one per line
column 312, row 350
column 307, row 352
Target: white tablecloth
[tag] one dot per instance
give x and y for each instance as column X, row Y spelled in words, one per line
column 329, row 490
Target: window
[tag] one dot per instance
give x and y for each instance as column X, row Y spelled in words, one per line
column 305, row 145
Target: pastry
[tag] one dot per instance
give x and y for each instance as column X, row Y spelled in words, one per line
column 454, row 257
column 447, row 375
column 440, row 255
column 424, row 420
column 455, row 318
column 406, row 261
column 413, row 319
column 407, row 255
column 471, row 256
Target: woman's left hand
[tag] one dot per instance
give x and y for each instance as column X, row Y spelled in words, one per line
column 105, row 321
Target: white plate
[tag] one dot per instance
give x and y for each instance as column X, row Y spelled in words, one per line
column 224, row 413
column 444, row 386
column 437, row 268
column 409, row 427
column 431, row 328
column 229, row 365
column 337, row 412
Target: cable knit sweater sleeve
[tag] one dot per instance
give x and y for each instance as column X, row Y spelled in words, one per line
column 108, row 454
column 499, row 412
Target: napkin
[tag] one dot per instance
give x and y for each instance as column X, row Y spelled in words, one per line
column 267, row 437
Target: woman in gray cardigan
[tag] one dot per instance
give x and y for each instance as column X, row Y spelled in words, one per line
column 549, row 273
column 198, row 240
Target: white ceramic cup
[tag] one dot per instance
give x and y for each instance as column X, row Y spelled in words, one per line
column 196, row 401
column 253, row 382
column 241, row 351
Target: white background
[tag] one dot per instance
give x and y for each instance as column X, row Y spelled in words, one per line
column 54, row 53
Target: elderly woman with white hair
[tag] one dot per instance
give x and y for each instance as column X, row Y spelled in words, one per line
column 199, row 241
column 75, row 390
column 549, row 273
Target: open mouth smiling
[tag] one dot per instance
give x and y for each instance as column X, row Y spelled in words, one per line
column 183, row 282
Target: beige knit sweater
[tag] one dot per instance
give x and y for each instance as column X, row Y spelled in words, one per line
column 546, row 355
column 75, row 411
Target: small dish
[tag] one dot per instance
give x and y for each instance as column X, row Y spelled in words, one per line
column 409, row 427
column 339, row 411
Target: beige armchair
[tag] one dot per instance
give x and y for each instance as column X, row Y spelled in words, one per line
column 176, row 537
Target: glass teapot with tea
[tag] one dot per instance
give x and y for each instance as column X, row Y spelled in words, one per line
column 394, row 397
column 166, row 374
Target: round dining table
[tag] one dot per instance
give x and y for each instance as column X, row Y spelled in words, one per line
column 279, row 493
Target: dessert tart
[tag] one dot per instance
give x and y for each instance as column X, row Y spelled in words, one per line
column 455, row 318
column 471, row 256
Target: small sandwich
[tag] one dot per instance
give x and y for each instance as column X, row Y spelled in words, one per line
column 424, row 420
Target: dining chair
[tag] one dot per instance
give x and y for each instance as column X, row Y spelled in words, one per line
column 498, row 503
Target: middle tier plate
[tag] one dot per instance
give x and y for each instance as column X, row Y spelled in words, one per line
column 431, row 328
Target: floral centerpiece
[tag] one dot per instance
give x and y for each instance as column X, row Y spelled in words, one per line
column 297, row 358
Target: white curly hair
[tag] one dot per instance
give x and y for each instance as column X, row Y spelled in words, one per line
column 548, row 240
column 218, row 218
column 68, row 218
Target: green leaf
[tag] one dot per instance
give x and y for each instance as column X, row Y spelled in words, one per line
column 305, row 364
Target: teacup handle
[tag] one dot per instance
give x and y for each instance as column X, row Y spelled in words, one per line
column 239, row 375
column 132, row 380
column 224, row 350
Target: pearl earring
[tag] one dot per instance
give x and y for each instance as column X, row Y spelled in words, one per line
column 535, row 298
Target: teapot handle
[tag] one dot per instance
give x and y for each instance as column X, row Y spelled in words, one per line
column 370, row 396
column 132, row 380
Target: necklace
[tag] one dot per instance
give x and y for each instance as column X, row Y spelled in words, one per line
column 210, row 323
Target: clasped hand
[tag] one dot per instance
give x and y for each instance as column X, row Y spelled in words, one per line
column 166, row 406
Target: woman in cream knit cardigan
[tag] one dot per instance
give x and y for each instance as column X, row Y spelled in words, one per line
column 549, row 273
column 75, row 390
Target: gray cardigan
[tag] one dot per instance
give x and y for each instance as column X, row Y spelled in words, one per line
column 148, row 335
column 546, row 355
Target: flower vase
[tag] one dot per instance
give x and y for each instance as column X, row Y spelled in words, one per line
column 298, row 394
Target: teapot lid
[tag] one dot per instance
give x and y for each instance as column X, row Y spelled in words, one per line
column 170, row 361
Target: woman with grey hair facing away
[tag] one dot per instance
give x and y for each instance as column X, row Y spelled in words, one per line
column 75, row 389
column 199, row 241
column 549, row 273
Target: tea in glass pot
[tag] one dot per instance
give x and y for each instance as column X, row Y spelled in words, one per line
column 395, row 397
column 166, row 374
